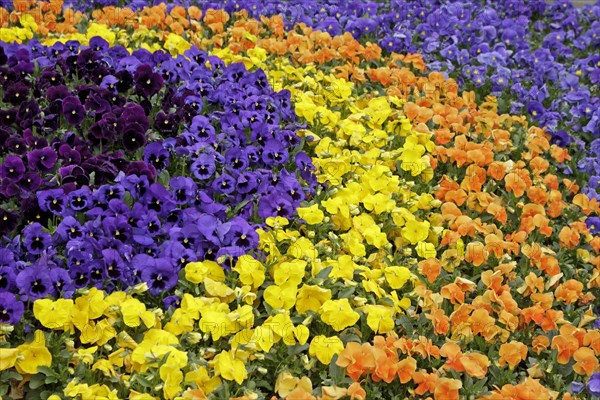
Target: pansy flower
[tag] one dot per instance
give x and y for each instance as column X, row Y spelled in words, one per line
column 159, row 274
column 69, row 229
column 11, row 309
column 62, row 282
column 147, row 82
column 274, row 205
column 203, row 166
column 12, row 168
column 157, row 155
column 52, row 200
column 42, row 159
column 184, row 189
column 34, row 283
column 35, row 239
column 73, row 110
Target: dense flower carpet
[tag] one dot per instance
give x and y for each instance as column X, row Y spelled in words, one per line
column 299, row 200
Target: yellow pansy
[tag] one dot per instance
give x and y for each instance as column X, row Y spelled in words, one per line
column 86, row 356
column 342, row 268
column 378, row 203
column 302, row 334
column 311, row 297
column 96, row 29
column 229, row 368
column 8, row 358
column 218, row 289
column 396, row 277
column 324, row 348
column 415, row 231
column 172, row 378
column 264, row 337
column 180, row 322
column 33, row 355
column 175, row 44
column 53, row 314
column 28, row 22
column 134, row 311
column 216, row 323
column 290, row 272
column 203, row 380
column 338, row 314
column 250, row 270
column 106, row 367
column 281, row 296
column 302, row 248
column 312, row 215
column 353, row 242
column 426, row 250
column 196, row 272
column 379, row 318
column 133, row 395
column 74, row 389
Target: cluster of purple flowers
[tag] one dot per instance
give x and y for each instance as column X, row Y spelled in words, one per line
column 110, row 177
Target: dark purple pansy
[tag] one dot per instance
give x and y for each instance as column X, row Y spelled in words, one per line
column 140, row 168
column 134, row 137
column 42, row 159
column 73, row 110
column 30, row 182
column 12, row 168
column 147, row 82
column 16, row 93
column 134, row 113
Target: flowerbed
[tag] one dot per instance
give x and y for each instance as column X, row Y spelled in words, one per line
column 205, row 205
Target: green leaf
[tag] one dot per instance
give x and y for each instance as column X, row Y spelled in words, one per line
column 241, row 205
column 346, row 293
column 6, row 376
column 336, row 372
column 164, row 178
column 128, row 199
column 47, row 371
column 324, row 273
column 143, row 381
column 37, row 381
column 404, row 322
column 297, row 349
